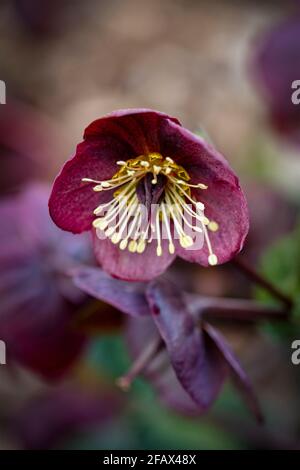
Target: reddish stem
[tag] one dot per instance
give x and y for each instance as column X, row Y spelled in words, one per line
column 139, row 364
column 264, row 283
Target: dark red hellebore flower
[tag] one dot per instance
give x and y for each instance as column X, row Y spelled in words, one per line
column 37, row 298
column 133, row 160
column 276, row 69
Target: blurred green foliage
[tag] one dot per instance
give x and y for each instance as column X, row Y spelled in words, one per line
column 145, row 423
column 281, row 266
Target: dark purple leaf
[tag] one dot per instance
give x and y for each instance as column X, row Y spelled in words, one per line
column 197, row 362
column 239, row 377
column 141, row 332
column 127, row 297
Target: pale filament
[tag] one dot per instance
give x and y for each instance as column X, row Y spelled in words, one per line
column 123, row 219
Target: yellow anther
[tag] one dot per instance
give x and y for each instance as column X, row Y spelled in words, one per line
column 156, row 169
column 132, row 246
column 141, row 247
column 109, row 231
column 186, row 241
column 98, row 188
column 123, row 244
column 178, row 210
column 171, row 248
column 105, row 184
column 89, row 180
column 115, row 238
column 213, row 226
column 100, row 223
column 212, row 259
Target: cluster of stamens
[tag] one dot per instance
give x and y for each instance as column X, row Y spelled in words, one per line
column 123, row 220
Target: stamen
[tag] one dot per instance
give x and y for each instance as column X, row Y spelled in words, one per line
column 176, row 203
column 212, row 258
column 89, row 180
column 187, row 195
column 159, row 248
column 167, row 225
column 199, row 185
column 132, row 244
column 184, row 207
column 126, row 215
column 127, row 191
column 184, row 239
column 213, row 226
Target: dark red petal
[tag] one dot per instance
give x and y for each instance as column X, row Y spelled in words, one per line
column 127, row 297
column 226, row 205
column 197, row 362
column 239, row 377
column 200, row 159
column 138, row 128
column 72, row 201
column 49, row 349
column 224, row 200
column 132, row 266
column 121, row 135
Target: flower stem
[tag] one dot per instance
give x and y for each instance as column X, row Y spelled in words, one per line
column 234, row 309
column 125, row 381
column 244, row 310
column 263, row 282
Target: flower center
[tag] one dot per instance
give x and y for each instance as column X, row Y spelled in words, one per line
column 160, row 183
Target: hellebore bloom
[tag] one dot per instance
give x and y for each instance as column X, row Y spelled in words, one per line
column 132, row 161
column 276, row 69
column 37, row 298
column 191, row 370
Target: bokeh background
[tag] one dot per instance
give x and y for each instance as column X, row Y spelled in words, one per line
column 66, row 63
